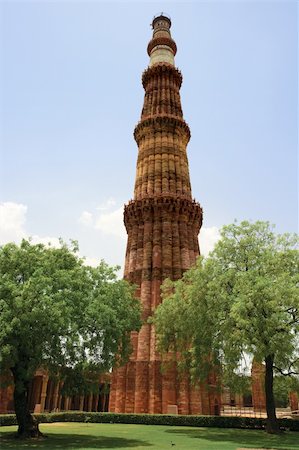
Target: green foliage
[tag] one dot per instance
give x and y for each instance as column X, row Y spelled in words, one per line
column 256, row 278
column 58, row 314
column 243, row 300
column 282, row 387
column 7, row 420
column 154, row 419
column 239, row 384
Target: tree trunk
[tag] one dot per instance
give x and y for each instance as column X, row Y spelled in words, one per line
column 272, row 425
column 27, row 424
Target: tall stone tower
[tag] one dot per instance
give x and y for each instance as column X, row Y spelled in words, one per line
column 162, row 222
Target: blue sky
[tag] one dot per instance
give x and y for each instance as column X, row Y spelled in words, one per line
column 71, row 96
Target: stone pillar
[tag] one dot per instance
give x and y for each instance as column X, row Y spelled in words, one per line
column 6, row 399
column 120, row 396
column 293, row 397
column 155, row 387
column 195, row 406
column 95, row 402
column 49, row 395
column 239, row 401
column 130, row 387
column 206, row 409
column 169, row 387
column 258, row 387
column 81, row 402
column 183, row 394
column 60, row 386
column 36, row 389
column 112, row 398
column 67, row 403
column 45, row 379
column 226, row 396
column 89, row 404
column 55, row 396
column 141, row 387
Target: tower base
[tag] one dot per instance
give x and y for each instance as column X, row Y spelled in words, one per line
column 148, row 388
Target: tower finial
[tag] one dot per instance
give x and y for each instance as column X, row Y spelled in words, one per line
column 162, row 47
column 161, row 16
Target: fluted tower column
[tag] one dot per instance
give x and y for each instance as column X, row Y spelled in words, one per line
column 162, row 222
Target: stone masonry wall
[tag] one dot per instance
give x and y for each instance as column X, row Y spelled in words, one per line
column 163, row 223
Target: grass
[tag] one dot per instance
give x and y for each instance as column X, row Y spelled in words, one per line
column 80, row 436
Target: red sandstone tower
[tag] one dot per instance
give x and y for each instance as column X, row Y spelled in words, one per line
column 162, row 223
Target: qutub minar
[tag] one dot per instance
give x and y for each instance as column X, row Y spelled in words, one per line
column 163, row 223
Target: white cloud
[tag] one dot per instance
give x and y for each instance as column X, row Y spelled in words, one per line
column 107, row 204
column 108, row 222
column 12, row 222
column 207, row 239
column 13, row 229
column 93, row 262
column 13, row 226
column 112, row 223
column 47, row 240
column 110, row 234
column 86, row 218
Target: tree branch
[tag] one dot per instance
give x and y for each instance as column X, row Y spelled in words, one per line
column 290, row 372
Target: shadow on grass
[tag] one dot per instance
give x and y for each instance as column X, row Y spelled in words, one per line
column 65, row 441
column 242, row 438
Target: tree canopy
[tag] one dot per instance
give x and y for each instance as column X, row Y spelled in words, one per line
column 57, row 313
column 240, row 301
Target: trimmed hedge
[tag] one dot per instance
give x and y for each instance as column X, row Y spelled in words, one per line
column 154, row 419
column 7, row 419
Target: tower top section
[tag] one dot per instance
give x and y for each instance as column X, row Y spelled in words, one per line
column 160, row 18
column 161, row 47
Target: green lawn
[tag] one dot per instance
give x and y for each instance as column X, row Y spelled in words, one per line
column 81, row 436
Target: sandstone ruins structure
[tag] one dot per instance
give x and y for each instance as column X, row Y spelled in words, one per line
column 163, row 223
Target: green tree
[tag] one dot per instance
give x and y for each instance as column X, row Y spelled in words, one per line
column 58, row 314
column 281, row 387
column 242, row 300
